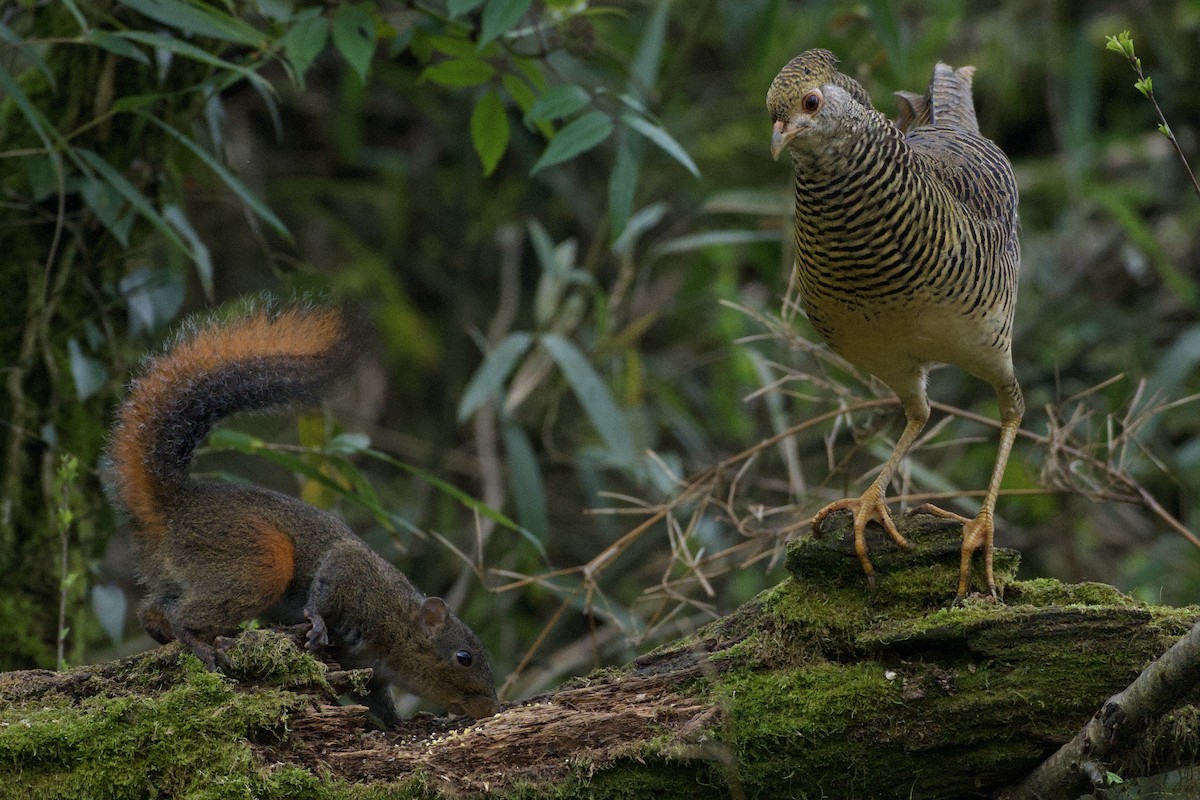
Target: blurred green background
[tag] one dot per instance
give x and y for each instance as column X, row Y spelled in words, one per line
column 570, row 329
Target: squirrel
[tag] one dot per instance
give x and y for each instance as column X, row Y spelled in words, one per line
column 213, row 554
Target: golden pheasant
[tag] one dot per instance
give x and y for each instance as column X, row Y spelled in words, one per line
column 906, row 254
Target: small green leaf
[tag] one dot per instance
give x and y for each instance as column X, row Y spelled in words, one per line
column 1145, row 86
column 499, row 16
column 460, row 7
column 459, row 73
column 559, row 102
column 489, row 130
column 354, row 36
column 303, row 43
column 238, row 441
column 578, row 136
column 455, row 46
column 593, row 395
column 492, row 373
column 658, row 135
column 1165, row 130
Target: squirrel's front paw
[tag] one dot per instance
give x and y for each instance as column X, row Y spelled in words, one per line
column 318, row 634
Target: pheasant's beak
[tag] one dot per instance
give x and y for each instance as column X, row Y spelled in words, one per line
column 780, row 136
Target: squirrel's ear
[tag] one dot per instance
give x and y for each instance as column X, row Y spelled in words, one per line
column 433, row 614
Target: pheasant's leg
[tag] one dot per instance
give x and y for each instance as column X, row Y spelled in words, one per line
column 871, row 506
column 979, row 532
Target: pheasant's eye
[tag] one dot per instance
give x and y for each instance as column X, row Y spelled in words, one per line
column 464, row 658
column 811, row 101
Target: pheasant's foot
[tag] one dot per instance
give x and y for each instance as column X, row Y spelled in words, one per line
column 868, row 508
column 977, row 533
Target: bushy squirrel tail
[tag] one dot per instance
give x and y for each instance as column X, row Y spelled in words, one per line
column 265, row 358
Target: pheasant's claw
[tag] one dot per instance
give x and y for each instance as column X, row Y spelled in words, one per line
column 934, row 511
column 868, row 508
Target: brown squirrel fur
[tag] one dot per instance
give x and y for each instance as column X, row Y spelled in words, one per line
column 213, row 555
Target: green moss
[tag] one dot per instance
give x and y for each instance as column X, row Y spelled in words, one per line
column 1046, row 592
column 156, row 724
column 268, row 656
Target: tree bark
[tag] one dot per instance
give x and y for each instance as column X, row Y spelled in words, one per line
column 820, row 687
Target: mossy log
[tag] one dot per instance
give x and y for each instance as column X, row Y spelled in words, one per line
column 821, row 688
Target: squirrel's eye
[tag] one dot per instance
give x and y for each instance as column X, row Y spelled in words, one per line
column 811, row 101
column 464, row 658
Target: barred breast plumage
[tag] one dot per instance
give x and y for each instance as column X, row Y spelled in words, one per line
column 906, row 251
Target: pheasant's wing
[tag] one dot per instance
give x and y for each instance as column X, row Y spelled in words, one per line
column 943, row 132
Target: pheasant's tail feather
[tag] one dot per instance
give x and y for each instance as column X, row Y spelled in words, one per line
column 949, row 98
column 913, row 111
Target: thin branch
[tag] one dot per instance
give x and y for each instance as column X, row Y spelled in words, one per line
column 1122, row 43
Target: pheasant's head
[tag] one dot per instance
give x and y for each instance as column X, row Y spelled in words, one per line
column 810, row 99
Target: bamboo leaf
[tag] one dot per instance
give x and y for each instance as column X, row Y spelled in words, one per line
column 117, row 45
column 135, row 197
column 179, row 47
column 558, row 102
column 575, row 138
column 479, row 507
column 492, row 373
column 525, row 480
column 88, row 374
column 39, row 123
column 200, row 254
column 7, row 34
column 644, row 69
column 622, row 181
column 593, row 395
column 228, row 178
column 698, row 241
column 659, row 135
column 198, row 19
